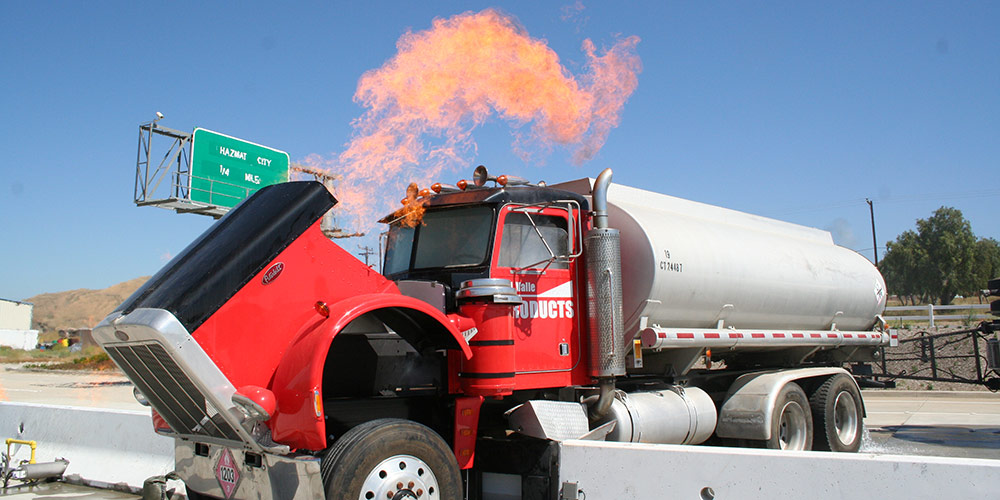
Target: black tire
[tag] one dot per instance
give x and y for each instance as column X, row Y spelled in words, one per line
column 791, row 420
column 837, row 415
column 373, row 459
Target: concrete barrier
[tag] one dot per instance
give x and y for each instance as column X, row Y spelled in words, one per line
column 105, row 448
column 625, row 470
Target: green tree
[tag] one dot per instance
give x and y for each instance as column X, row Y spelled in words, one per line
column 902, row 266
column 950, row 245
column 987, row 264
column 940, row 260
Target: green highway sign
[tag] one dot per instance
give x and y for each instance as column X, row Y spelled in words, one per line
column 225, row 170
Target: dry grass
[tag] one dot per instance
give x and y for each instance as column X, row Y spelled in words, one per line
column 96, row 362
column 59, row 358
column 11, row 355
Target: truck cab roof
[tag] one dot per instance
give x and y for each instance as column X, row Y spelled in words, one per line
column 525, row 195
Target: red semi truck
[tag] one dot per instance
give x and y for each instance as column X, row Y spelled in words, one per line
column 508, row 317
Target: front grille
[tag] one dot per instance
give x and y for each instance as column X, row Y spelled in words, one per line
column 169, row 390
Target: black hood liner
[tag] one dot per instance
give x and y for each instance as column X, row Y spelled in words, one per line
column 203, row 277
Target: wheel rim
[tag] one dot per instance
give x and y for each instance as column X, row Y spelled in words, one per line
column 399, row 477
column 845, row 418
column 792, row 427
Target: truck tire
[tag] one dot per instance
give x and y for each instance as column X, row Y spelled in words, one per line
column 791, row 420
column 391, row 458
column 837, row 414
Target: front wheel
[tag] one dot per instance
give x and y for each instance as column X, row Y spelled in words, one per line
column 791, row 420
column 837, row 411
column 391, row 459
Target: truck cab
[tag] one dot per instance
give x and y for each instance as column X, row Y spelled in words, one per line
column 528, row 235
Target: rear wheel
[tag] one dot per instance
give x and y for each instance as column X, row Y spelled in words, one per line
column 837, row 413
column 391, row 459
column 791, row 421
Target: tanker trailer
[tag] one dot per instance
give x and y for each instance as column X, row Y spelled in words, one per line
column 769, row 310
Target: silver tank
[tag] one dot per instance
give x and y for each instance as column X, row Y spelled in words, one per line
column 688, row 264
column 675, row 416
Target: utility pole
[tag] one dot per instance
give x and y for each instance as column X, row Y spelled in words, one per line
column 366, row 251
column 871, row 210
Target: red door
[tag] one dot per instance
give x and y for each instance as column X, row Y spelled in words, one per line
column 534, row 254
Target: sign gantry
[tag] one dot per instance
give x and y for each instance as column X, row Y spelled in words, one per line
column 207, row 172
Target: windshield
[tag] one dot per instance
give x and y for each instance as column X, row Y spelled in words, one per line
column 451, row 237
column 528, row 245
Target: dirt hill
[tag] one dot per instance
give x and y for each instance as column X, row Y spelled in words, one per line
column 81, row 308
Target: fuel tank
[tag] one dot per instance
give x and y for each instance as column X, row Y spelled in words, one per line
column 689, row 264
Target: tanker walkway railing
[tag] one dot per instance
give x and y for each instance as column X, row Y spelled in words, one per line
column 930, row 313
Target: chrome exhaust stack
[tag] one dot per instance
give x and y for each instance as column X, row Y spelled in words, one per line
column 604, row 299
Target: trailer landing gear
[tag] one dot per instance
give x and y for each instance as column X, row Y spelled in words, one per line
column 391, row 459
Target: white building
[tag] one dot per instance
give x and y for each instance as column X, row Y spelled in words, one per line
column 15, row 325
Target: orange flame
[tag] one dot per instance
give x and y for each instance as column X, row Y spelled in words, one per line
column 423, row 104
column 413, row 209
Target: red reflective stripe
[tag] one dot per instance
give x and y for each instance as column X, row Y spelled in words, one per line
column 779, row 335
column 848, row 336
column 831, row 335
column 815, row 335
column 661, row 335
column 685, row 335
column 757, row 335
column 735, row 335
column 711, row 335
column 797, row 336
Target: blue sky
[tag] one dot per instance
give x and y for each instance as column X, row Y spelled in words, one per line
column 793, row 110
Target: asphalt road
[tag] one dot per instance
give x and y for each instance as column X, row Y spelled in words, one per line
column 88, row 389
column 935, row 423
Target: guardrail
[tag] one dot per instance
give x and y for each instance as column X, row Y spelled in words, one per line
column 717, row 472
column 929, row 312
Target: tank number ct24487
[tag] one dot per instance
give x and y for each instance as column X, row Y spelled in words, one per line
column 666, row 265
